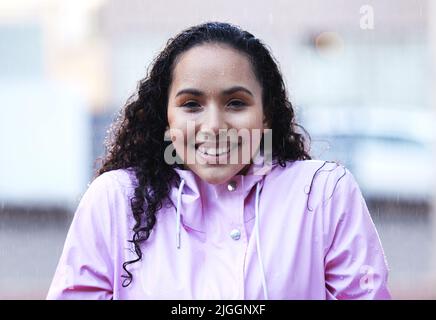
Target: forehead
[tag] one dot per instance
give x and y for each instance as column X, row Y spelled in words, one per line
column 213, row 65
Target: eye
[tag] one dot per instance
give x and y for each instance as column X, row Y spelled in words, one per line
column 237, row 104
column 191, row 105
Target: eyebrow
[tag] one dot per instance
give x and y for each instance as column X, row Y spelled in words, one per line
column 225, row 92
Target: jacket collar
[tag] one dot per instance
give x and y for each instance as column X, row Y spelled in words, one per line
column 194, row 188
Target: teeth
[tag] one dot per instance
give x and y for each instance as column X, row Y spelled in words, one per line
column 213, row 151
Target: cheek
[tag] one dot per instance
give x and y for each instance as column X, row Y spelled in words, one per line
column 176, row 121
column 181, row 133
column 254, row 123
column 177, row 131
column 171, row 115
column 251, row 120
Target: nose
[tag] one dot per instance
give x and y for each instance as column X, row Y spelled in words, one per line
column 213, row 121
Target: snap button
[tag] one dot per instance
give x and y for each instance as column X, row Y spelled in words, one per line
column 235, row 234
column 232, row 186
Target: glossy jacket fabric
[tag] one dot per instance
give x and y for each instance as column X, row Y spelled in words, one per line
column 297, row 232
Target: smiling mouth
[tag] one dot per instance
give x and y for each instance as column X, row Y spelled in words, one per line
column 213, row 151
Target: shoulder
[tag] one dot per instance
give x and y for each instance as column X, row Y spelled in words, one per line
column 119, row 181
column 308, row 170
column 105, row 198
column 121, row 178
column 317, row 178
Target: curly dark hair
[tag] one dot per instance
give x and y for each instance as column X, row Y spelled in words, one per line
column 136, row 138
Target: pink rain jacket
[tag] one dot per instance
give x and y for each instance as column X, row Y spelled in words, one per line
column 297, row 232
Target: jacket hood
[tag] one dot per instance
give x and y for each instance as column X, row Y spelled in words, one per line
column 192, row 188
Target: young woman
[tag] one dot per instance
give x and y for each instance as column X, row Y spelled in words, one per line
column 172, row 215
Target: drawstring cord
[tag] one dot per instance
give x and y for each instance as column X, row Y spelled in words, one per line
column 259, row 255
column 179, row 199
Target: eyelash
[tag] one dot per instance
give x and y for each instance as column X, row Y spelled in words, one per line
column 241, row 104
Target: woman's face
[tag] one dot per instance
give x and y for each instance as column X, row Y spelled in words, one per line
column 215, row 111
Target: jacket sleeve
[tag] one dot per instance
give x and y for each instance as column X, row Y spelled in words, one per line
column 355, row 264
column 85, row 269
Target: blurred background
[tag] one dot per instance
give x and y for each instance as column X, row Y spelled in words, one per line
column 361, row 75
